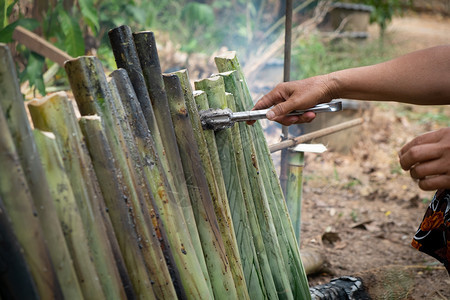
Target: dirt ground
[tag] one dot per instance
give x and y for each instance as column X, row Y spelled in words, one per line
column 360, row 209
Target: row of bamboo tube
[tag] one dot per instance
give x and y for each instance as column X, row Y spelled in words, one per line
column 123, row 194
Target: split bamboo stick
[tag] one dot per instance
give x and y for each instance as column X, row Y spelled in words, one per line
column 68, row 214
column 92, row 92
column 170, row 213
column 16, row 117
column 16, row 280
column 17, row 199
column 212, row 243
column 120, row 211
column 285, row 232
column 239, row 219
column 56, row 114
column 294, row 189
column 214, row 88
column 148, row 85
column 218, row 192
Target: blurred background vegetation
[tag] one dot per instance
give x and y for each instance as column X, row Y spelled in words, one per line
column 187, row 30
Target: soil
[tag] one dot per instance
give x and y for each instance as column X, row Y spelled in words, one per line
column 359, row 209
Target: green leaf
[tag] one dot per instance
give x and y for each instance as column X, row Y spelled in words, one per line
column 89, row 13
column 7, row 32
column 74, row 41
column 34, row 72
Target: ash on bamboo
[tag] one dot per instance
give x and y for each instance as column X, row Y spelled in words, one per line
column 57, row 115
column 68, row 213
column 212, row 243
column 285, row 232
column 121, row 216
column 171, row 214
column 95, row 98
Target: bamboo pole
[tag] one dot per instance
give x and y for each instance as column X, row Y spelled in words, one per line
column 56, row 114
column 249, row 216
column 285, row 232
column 148, row 82
column 212, row 243
column 294, row 188
column 18, row 204
column 96, row 98
column 188, row 266
column 215, row 86
column 121, row 216
column 150, row 176
column 68, row 214
column 16, row 281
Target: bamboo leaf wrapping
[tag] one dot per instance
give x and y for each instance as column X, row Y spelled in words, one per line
column 285, row 232
column 213, row 247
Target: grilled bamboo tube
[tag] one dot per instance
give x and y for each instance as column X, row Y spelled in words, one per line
column 171, row 215
column 56, row 114
column 19, row 206
column 68, row 214
column 121, row 216
column 285, row 232
column 213, row 246
column 149, row 87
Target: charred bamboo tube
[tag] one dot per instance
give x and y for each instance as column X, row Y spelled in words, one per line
column 261, row 201
column 97, row 99
column 285, row 232
column 121, row 216
column 148, row 85
column 217, row 189
column 170, row 213
column 19, row 206
column 150, row 177
column 68, row 215
column 56, row 114
column 294, row 188
column 248, row 216
column 213, row 247
column 16, row 281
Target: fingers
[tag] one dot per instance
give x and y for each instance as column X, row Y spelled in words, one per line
column 427, row 138
column 430, row 168
column 435, row 182
column 290, row 120
column 419, row 153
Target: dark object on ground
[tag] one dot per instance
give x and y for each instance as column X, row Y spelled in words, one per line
column 341, row 288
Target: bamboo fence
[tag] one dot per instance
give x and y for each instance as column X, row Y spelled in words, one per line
column 132, row 198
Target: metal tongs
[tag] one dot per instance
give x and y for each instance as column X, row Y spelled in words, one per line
column 219, row 119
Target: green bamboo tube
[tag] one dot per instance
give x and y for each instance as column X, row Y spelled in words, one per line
column 148, row 85
column 57, row 115
column 285, row 231
column 294, row 189
column 151, row 178
column 261, row 201
column 19, row 206
column 245, row 219
column 96, row 98
column 109, row 179
column 213, row 247
column 170, row 213
column 16, row 281
column 217, row 189
column 68, row 215
column 214, row 88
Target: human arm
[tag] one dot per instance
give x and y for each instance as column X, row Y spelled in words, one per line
column 421, row 77
column 427, row 158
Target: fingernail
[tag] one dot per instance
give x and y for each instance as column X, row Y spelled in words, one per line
column 270, row 115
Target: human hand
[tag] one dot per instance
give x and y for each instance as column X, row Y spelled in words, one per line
column 427, row 158
column 300, row 94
